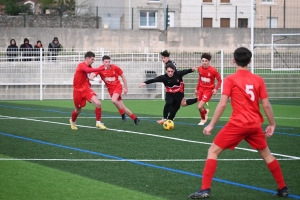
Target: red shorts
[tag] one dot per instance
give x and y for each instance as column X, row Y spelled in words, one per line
column 117, row 89
column 204, row 94
column 80, row 98
column 230, row 136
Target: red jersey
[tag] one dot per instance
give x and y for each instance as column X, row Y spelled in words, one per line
column 207, row 78
column 245, row 90
column 81, row 80
column 111, row 76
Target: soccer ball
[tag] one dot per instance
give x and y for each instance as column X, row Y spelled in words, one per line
column 168, row 125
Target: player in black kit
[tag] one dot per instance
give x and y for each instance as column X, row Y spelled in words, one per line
column 173, row 82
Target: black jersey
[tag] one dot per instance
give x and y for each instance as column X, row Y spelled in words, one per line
column 173, row 84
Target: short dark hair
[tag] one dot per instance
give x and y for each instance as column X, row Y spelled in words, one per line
column 242, row 56
column 165, row 53
column 105, row 57
column 89, row 54
column 170, row 65
column 206, row 56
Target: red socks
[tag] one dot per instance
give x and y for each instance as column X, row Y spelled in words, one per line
column 202, row 113
column 98, row 112
column 211, row 166
column 121, row 111
column 74, row 116
column 208, row 173
column 132, row 116
column 275, row 169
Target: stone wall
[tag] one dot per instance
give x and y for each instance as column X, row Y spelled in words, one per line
column 82, row 32
column 50, row 21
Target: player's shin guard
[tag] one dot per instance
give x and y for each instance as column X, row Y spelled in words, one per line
column 98, row 112
column 132, row 116
column 208, row 173
column 202, row 114
column 275, row 169
column 191, row 101
column 74, row 116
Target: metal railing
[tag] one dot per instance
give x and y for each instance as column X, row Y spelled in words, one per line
column 45, row 78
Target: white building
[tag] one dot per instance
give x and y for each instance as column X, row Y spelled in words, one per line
column 151, row 14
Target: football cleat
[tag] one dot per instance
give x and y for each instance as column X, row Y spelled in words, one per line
column 123, row 118
column 202, row 122
column 100, row 125
column 161, row 122
column 73, row 125
column 136, row 121
column 284, row 192
column 200, row 194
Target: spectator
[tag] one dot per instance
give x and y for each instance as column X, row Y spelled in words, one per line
column 26, row 50
column 53, row 48
column 37, row 49
column 12, row 51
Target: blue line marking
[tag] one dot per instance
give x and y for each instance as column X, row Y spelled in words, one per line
column 144, row 164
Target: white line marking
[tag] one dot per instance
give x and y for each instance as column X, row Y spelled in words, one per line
column 147, row 134
column 126, row 160
column 4, row 117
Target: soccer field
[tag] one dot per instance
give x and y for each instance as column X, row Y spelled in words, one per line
column 42, row 158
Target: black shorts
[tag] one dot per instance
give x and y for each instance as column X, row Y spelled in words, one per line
column 174, row 97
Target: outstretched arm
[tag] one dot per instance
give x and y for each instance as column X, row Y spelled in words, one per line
column 93, row 77
column 186, row 71
column 154, row 80
column 89, row 70
column 142, row 85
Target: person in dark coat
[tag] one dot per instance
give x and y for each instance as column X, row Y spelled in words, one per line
column 26, row 50
column 37, row 49
column 53, row 48
column 12, row 51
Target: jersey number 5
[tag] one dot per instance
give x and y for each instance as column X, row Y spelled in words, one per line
column 249, row 90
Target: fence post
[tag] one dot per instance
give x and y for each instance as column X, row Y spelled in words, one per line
column 201, row 16
column 102, row 83
column 167, row 18
column 132, row 18
column 60, row 13
column 284, row 14
column 270, row 17
column 222, row 69
column 97, row 20
column 41, row 75
column 235, row 16
column 24, row 16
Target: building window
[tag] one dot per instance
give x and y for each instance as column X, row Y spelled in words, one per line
column 207, row 0
column 225, row 22
column 272, row 22
column 267, row 1
column 243, row 23
column 154, row 0
column 207, row 22
column 225, row 1
column 148, row 19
